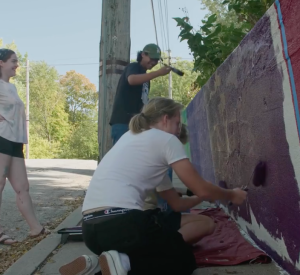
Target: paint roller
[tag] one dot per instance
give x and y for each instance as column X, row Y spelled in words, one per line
column 259, row 175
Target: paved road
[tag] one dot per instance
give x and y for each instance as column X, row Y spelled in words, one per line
column 52, row 184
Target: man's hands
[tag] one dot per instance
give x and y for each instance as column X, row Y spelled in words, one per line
column 164, row 70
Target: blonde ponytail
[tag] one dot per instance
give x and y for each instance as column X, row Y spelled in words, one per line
column 152, row 113
column 138, row 124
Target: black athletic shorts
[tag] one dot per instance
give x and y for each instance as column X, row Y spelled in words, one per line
column 13, row 149
column 150, row 238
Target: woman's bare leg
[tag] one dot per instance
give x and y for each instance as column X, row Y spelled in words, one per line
column 4, row 168
column 195, row 227
column 19, row 181
column 5, row 161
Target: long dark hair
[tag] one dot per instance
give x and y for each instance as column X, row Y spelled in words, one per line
column 139, row 56
column 5, row 54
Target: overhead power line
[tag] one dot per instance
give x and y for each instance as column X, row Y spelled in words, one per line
column 167, row 24
column 154, row 21
column 162, row 26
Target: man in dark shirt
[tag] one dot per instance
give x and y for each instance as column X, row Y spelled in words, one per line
column 133, row 89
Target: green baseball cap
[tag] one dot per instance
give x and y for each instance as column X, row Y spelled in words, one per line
column 153, row 51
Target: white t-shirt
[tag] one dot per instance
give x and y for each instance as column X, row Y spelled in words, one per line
column 135, row 165
column 12, row 108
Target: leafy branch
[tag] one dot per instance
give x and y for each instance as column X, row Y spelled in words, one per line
column 215, row 40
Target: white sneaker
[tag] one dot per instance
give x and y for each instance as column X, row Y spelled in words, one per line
column 83, row 265
column 110, row 263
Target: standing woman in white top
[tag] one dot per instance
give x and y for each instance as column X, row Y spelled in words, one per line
column 12, row 137
column 129, row 239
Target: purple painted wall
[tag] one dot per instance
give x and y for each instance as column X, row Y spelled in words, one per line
column 246, row 113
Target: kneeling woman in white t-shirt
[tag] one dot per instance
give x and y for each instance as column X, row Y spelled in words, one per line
column 128, row 239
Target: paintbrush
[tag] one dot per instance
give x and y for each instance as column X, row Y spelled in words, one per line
column 176, row 71
column 258, row 175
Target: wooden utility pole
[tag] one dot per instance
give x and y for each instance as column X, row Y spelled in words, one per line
column 27, row 107
column 114, row 56
column 170, row 77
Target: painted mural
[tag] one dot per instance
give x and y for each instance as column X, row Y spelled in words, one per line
column 249, row 112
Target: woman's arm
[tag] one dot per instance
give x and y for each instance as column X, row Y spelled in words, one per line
column 177, row 203
column 206, row 191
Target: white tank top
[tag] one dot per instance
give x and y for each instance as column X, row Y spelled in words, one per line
column 12, row 108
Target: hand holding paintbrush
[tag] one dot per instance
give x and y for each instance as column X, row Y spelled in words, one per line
column 258, row 175
column 176, row 71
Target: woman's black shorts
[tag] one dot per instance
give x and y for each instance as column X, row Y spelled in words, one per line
column 13, row 149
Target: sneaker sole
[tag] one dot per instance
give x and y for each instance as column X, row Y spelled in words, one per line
column 78, row 265
column 105, row 266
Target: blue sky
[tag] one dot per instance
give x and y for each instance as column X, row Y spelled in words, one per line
column 67, row 32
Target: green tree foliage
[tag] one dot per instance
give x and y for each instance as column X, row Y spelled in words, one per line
column 220, row 33
column 248, row 11
column 47, row 113
column 81, row 106
column 81, row 96
column 83, row 142
column 41, row 148
column 224, row 16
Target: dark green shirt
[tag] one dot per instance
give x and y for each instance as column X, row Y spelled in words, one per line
column 129, row 99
